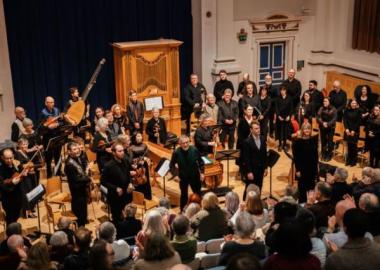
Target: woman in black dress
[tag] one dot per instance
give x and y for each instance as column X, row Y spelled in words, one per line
column 365, row 101
column 306, row 111
column 373, row 131
column 351, row 121
column 265, row 104
column 284, row 108
column 305, row 158
column 102, row 142
column 140, row 163
column 326, row 118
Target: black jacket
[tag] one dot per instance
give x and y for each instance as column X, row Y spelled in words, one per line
column 228, row 111
column 116, row 175
column 252, row 157
column 76, row 176
column 265, row 106
column 316, row 99
column 150, row 128
column 135, row 112
column 220, row 86
column 339, row 101
column 293, row 90
column 193, row 95
column 351, row 119
column 245, row 100
column 327, row 115
column 202, row 137
column 284, row 106
column 102, row 156
column 190, row 163
column 241, row 87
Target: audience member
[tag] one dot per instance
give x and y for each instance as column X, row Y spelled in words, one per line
column 244, row 261
column 191, row 209
column 59, row 248
column 293, row 246
column 79, row 259
column 12, row 229
column 38, row 258
column 243, row 240
column 185, row 245
column 64, row 224
column 359, row 252
column 339, row 185
column 231, row 204
column 211, row 221
column 101, row 256
column 17, row 253
column 153, row 224
column 158, row 254
column 130, row 225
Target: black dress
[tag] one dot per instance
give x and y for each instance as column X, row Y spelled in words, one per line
column 373, row 131
column 265, row 109
column 284, row 108
column 305, row 158
column 138, row 150
column 351, row 121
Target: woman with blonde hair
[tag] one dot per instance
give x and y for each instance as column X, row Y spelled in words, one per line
column 154, row 223
column 232, row 203
column 305, row 158
column 211, row 221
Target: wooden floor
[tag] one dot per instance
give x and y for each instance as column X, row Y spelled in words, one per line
column 97, row 211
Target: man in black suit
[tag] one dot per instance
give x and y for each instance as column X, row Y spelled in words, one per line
column 293, row 87
column 222, row 85
column 254, row 157
column 116, row 178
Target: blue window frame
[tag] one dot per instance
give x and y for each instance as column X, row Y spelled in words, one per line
column 272, row 61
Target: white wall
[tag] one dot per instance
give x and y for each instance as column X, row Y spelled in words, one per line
column 6, row 90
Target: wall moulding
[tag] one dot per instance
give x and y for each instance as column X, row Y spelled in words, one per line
column 275, row 23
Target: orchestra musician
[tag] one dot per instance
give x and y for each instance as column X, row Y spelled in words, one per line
column 101, row 144
column 316, row 96
column 156, row 128
column 33, row 138
column 99, row 113
column 351, row 119
column 338, row 99
column 50, row 123
column 10, row 177
column 116, row 178
column 211, row 107
column 17, row 127
column 135, row 113
column 248, row 98
column 365, row 100
column 120, row 118
column 243, row 84
column 306, row 109
column 193, row 101
column 293, row 88
column 373, row 131
column 140, row 164
column 326, row 118
column 76, row 170
column 114, row 129
column 305, row 157
column 125, row 140
column 74, row 97
column 273, row 94
column 29, row 181
column 284, row 109
column 204, row 139
column 221, row 85
column 227, row 116
column 244, row 126
column 187, row 160
column 254, row 157
column 265, row 106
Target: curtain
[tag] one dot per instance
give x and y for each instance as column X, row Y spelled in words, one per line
column 56, row 44
column 366, row 28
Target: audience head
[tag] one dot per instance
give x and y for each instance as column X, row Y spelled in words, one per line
column 307, row 220
column 101, row 255
column 58, row 239
column 164, row 202
column 130, row 210
column 14, row 242
column 341, row 208
column 38, row 257
column 323, row 191
column 254, row 205
column 254, row 188
column 192, row 209
column 153, row 223
column 107, row 232
column 291, row 240
column 355, row 222
column 13, row 228
column 369, row 202
column 291, row 192
column 158, row 248
column 243, row 261
column 64, row 223
column 121, row 250
column 180, row 225
column 340, row 175
column 210, row 201
column 284, row 211
column 245, row 226
column 232, row 202
column 83, row 238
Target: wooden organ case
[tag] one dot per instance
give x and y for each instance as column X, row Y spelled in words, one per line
column 152, row 69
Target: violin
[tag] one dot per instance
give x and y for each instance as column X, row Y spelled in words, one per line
column 140, row 177
column 52, row 120
column 27, row 167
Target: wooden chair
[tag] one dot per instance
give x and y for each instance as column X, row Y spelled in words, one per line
column 362, row 155
column 338, row 138
column 54, row 192
column 53, row 216
column 139, row 200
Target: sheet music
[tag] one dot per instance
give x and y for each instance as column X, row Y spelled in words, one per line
column 153, row 102
column 165, row 167
column 34, row 193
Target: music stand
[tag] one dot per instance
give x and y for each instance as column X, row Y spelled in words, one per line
column 55, row 142
column 228, row 155
column 272, row 158
column 162, row 169
column 33, row 197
